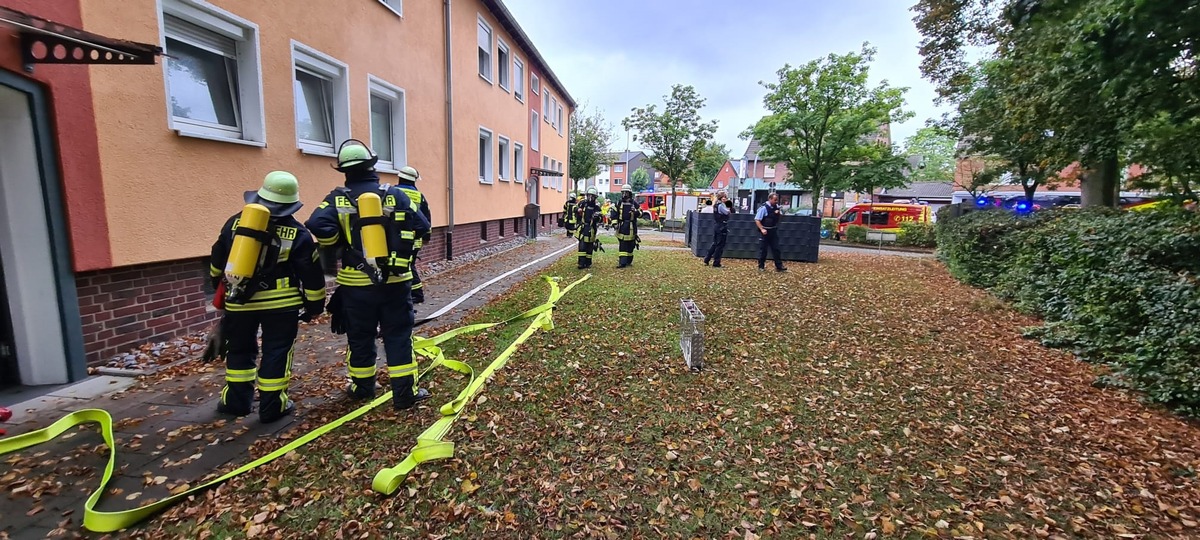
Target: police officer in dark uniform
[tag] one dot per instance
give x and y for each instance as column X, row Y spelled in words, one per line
column 287, row 276
column 625, row 215
column 721, row 211
column 587, row 221
column 767, row 220
column 373, row 297
column 569, row 219
column 408, row 184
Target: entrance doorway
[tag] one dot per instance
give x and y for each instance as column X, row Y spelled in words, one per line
column 41, row 339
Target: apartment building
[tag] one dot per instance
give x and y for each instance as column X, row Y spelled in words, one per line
column 132, row 127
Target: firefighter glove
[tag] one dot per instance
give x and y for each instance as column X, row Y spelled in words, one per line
column 312, row 309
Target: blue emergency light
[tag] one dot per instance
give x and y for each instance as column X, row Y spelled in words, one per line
column 981, row 201
column 1023, row 206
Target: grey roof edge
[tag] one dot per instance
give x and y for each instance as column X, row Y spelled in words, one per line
column 510, row 23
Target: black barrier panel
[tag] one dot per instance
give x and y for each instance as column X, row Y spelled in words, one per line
column 799, row 236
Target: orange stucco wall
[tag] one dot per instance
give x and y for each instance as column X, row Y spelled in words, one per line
column 167, row 195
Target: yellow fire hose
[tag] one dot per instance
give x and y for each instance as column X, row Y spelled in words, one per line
column 430, row 445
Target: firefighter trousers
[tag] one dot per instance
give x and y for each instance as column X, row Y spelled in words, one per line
column 586, row 247
column 625, row 252
column 240, row 334
column 385, row 310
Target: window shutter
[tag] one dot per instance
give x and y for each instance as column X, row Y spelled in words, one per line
column 194, row 35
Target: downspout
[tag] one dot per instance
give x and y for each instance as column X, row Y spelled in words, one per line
column 449, row 139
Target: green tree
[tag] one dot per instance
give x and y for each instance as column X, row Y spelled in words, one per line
column 1111, row 93
column 591, row 136
column 674, row 138
column 1003, row 116
column 823, row 115
column 878, row 166
column 708, row 163
column 639, row 180
column 935, row 146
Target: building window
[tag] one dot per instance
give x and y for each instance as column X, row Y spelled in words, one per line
column 561, row 178
column 214, row 83
column 483, row 231
column 395, row 5
column 388, row 124
column 500, row 228
column 769, row 171
column 519, row 79
column 534, row 131
column 546, row 166
column 502, row 62
column 547, row 112
column 322, row 100
column 560, row 120
column 485, row 50
column 485, row 156
column 534, row 84
column 619, row 168
column 518, row 162
column 502, row 151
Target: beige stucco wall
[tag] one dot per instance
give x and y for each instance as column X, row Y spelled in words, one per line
column 168, row 195
column 480, row 103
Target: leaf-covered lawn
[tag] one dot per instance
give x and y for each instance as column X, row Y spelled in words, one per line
column 860, row 397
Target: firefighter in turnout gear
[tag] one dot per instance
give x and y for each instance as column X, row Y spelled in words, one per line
column 624, row 217
column 408, row 184
column 569, row 221
column 587, row 218
column 374, row 226
column 267, row 263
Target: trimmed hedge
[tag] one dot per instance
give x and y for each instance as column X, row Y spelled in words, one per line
column 916, row 234
column 857, row 234
column 829, row 224
column 1119, row 288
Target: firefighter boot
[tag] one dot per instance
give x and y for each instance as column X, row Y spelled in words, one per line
column 274, row 405
column 418, row 295
column 403, row 396
column 361, row 388
column 236, row 398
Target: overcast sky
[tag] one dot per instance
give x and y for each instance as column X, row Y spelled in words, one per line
column 618, row 54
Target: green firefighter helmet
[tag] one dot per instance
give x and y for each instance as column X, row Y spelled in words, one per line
column 280, row 193
column 354, row 154
column 593, row 191
column 410, row 174
column 626, row 189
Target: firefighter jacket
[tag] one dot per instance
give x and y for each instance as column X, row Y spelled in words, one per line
column 626, row 214
column 587, row 216
column 288, row 273
column 335, row 224
column 420, row 204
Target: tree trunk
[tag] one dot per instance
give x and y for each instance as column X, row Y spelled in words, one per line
column 816, row 202
column 674, row 200
column 1100, row 184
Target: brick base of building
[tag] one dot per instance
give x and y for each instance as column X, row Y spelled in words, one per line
column 123, row 308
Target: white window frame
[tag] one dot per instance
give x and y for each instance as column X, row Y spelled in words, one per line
column 535, row 84
column 322, row 65
column 490, row 161
column 395, row 95
column 546, row 105
column 518, row 162
column 518, row 81
column 535, row 131
column 245, row 34
column 491, row 48
column 559, row 117
column 546, row 167
column 619, row 167
column 503, row 66
column 398, row 8
column 561, row 178
column 503, row 160
column 768, row 171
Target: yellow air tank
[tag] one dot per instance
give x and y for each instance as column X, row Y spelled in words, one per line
column 374, row 238
column 243, row 255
